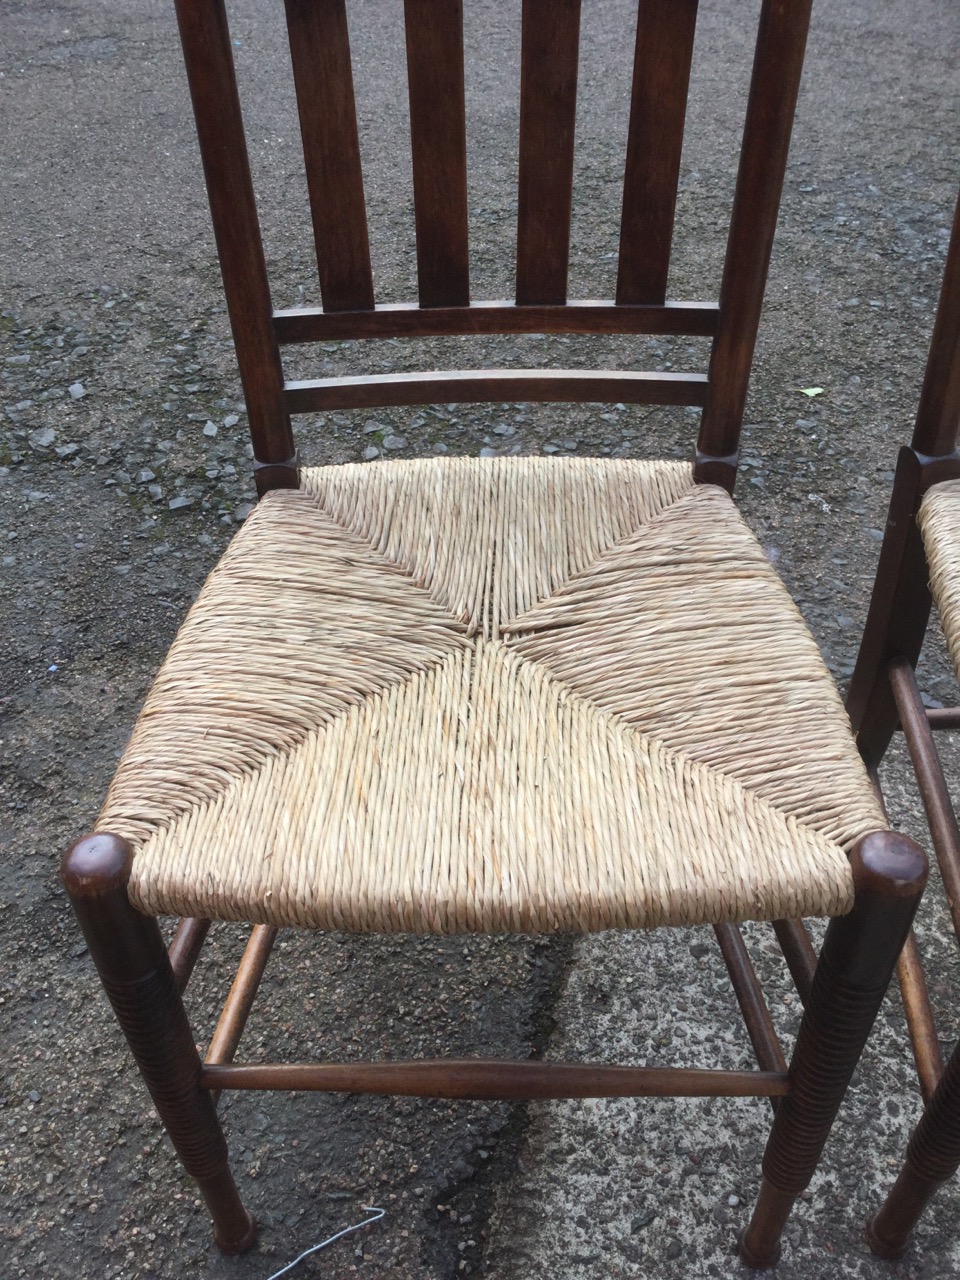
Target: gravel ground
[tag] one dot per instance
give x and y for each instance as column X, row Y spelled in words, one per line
column 123, row 472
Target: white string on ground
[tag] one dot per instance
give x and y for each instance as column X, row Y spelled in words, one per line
column 367, row 1208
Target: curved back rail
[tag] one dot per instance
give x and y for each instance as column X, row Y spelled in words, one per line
column 320, row 52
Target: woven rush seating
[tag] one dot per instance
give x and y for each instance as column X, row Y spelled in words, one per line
column 939, row 521
column 493, row 694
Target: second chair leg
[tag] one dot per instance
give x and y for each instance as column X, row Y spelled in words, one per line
column 855, row 967
column 933, row 1156
column 132, row 961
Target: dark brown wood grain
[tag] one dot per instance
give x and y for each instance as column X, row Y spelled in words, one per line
column 899, row 604
column 550, row 45
column 320, row 51
column 465, row 386
column 658, row 104
column 932, row 784
column 127, row 949
column 438, row 130
column 798, row 952
column 243, row 992
column 753, row 1007
column 943, row 718
column 185, row 947
column 856, row 963
column 205, row 37
column 781, row 40
column 480, row 1078
column 406, row 320
column 933, row 1156
column 920, row 1022
column 938, row 414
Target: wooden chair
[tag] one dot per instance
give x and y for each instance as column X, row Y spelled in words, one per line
column 921, row 546
column 507, row 694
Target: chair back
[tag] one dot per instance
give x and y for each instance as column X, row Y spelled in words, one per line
column 550, row 37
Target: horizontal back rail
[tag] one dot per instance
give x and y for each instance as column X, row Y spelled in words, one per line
column 466, row 386
column 405, row 320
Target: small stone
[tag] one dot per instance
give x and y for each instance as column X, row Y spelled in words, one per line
column 231, row 420
column 178, row 503
column 569, row 443
column 76, row 390
column 42, row 438
column 440, row 447
column 155, row 492
column 488, row 453
column 551, row 448
column 24, row 359
column 673, row 1250
column 123, row 477
column 66, row 450
column 505, row 429
column 210, row 429
column 394, row 442
column 240, row 513
column 371, row 426
column 145, row 476
column 33, row 1095
column 371, row 452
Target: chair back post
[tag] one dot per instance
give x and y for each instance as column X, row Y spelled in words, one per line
column 937, row 427
column 205, row 36
column 774, row 86
column 900, row 605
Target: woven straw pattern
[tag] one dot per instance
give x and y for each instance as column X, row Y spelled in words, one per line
column 575, row 718
column 939, row 520
column 489, row 541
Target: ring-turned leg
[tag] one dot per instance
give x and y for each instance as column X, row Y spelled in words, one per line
column 933, row 1156
column 127, row 948
column 856, row 963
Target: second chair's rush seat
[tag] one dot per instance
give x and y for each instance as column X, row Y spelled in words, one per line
column 939, row 521
column 493, row 694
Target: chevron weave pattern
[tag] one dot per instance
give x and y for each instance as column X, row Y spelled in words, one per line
column 498, row 695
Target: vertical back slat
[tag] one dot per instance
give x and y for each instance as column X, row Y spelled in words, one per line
column 661, row 76
column 213, row 89
column 777, row 67
column 548, row 102
column 438, row 134
column 320, row 51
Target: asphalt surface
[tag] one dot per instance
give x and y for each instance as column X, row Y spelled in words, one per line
column 117, row 497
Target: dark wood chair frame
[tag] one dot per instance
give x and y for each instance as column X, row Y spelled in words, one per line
column 884, row 697
column 145, row 980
